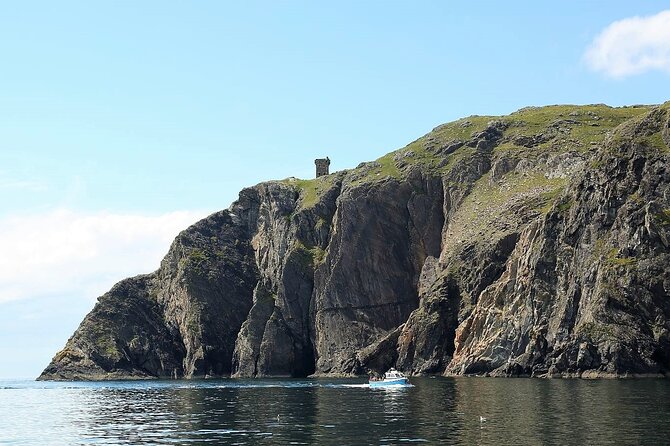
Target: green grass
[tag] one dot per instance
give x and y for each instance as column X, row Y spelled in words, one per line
column 539, row 116
column 423, row 151
column 387, row 167
column 622, row 261
column 312, row 190
column 613, row 259
column 103, row 339
column 663, row 217
column 603, row 251
column 197, row 257
column 432, row 162
column 597, row 163
column 380, row 169
column 566, row 128
column 581, row 127
column 548, row 198
column 195, row 260
column 107, row 346
column 318, row 255
column 309, row 256
column 511, row 148
column 565, row 206
column 655, row 141
column 309, row 191
column 462, row 129
column 597, row 331
column 321, row 222
column 490, row 208
column 625, row 134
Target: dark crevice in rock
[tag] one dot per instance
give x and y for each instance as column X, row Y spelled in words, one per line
column 369, row 307
column 535, row 244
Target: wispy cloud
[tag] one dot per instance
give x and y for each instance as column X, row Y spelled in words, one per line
column 63, row 251
column 632, row 46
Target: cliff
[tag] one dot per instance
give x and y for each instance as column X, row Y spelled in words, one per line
column 530, row 244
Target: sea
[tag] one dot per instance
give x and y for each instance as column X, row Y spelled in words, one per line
column 444, row 411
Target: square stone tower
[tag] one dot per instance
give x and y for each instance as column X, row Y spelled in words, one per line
column 322, row 166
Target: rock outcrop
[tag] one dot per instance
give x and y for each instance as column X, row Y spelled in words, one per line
column 530, row 244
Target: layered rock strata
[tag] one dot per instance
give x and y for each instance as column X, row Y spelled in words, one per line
column 530, row 244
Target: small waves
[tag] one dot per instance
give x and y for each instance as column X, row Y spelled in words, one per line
column 335, row 411
column 148, row 386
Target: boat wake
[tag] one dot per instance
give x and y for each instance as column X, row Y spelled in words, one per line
column 368, row 386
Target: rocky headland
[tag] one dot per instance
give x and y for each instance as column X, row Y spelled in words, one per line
column 533, row 244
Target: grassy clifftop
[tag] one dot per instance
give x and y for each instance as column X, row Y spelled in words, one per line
column 532, row 243
column 528, row 133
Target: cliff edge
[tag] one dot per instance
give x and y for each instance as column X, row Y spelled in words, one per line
column 533, row 244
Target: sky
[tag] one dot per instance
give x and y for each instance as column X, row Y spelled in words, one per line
column 123, row 122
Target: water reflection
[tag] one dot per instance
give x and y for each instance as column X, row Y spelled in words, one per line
column 526, row 411
column 325, row 412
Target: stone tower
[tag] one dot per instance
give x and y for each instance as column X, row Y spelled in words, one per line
column 322, row 166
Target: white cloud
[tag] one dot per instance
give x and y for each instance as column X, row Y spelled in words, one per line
column 67, row 252
column 632, row 46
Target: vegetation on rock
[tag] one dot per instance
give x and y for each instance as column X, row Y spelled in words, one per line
column 536, row 243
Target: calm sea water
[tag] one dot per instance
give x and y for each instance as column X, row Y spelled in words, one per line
column 336, row 412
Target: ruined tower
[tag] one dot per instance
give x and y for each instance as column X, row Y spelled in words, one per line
column 322, row 166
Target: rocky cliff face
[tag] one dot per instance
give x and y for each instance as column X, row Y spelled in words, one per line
column 529, row 244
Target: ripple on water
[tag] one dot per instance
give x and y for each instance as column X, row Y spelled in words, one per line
column 438, row 411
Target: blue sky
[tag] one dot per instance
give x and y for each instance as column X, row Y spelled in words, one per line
column 122, row 122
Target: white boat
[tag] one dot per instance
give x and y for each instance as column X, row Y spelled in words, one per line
column 391, row 378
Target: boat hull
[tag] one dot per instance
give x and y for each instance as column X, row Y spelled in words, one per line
column 390, row 382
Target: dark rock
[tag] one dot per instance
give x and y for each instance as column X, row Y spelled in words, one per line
column 457, row 257
column 124, row 336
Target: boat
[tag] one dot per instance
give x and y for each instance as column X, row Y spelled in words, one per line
column 391, row 378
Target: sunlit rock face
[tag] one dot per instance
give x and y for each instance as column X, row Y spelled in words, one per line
column 530, row 244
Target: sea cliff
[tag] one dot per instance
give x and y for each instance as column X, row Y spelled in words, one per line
column 532, row 244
